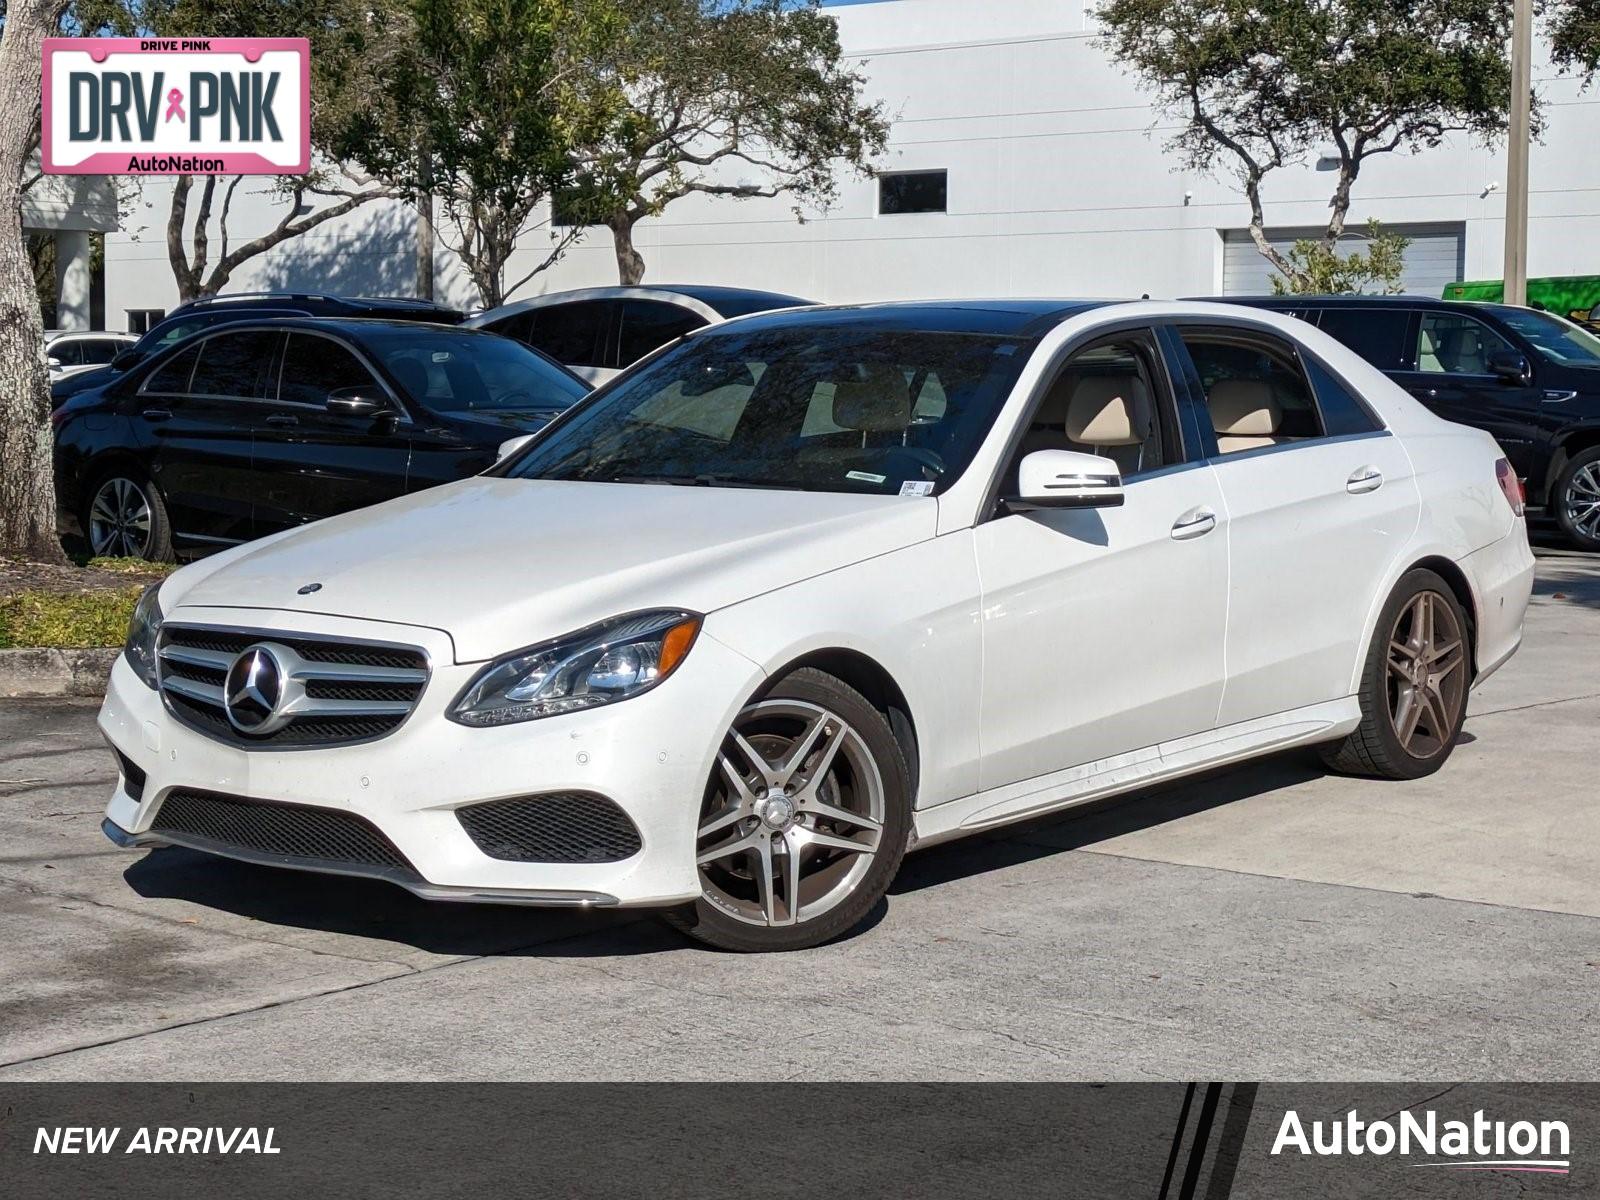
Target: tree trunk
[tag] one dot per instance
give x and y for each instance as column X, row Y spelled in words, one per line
column 27, row 488
column 630, row 263
column 425, row 234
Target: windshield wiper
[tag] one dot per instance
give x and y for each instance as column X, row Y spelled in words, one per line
column 702, row 480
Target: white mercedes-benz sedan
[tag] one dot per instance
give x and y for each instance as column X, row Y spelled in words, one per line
column 810, row 589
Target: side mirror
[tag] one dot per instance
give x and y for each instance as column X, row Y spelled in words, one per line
column 125, row 359
column 1511, row 367
column 1067, row 479
column 511, row 445
column 52, row 362
column 360, row 401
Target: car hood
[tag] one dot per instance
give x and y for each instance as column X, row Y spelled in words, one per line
column 502, row 563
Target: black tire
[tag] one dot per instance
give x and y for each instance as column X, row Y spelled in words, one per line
column 1376, row 747
column 157, row 542
column 705, row 921
column 1571, row 497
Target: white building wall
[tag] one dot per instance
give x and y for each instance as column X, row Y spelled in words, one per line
column 1058, row 185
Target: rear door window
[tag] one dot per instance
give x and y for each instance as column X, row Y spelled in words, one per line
column 1377, row 335
column 650, row 324
column 575, row 334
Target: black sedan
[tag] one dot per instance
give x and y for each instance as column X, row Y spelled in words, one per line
column 264, row 425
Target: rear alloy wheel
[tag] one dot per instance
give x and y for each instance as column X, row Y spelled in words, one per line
column 126, row 519
column 1414, row 686
column 804, row 821
column 1577, row 499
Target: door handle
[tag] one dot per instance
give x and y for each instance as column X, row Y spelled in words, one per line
column 283, row 420
column 1364, row 479
column 156, row 414
column 1197, row 522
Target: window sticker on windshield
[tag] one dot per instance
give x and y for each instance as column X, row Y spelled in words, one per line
column 917, row 487
column 865, row 476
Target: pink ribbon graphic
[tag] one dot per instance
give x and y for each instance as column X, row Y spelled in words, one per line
column 175, row 105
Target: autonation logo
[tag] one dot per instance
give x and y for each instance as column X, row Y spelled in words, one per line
column 1476, row 1145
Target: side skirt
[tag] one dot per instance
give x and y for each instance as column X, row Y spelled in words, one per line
column 1123, row 772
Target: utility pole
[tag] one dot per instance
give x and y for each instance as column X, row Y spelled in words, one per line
column 1516, row 266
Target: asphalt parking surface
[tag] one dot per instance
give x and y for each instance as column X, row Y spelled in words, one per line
column 1270, row 922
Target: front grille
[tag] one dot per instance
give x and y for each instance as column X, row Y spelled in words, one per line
column 270, row 830
column 336, row 691
column 561, row 827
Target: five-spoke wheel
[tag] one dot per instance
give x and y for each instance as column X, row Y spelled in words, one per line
column 1428, row 674
column 804, row 821
column 1414, row 685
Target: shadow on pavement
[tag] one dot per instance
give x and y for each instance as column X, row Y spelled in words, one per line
column 372, row 909
column 1102, row 820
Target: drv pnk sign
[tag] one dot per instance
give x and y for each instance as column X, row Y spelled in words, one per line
column 177, row 106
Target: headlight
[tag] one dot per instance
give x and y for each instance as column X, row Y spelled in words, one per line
column 143, row 629
column 598, row 665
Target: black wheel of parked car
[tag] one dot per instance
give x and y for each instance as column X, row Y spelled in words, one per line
column 1413, row 686
column 804, row 821
column 127, row 518
column 1576, row 499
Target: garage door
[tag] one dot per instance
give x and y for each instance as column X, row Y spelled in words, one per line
column 1435, row 257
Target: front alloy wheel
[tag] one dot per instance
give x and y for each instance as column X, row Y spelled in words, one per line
column 804, row 821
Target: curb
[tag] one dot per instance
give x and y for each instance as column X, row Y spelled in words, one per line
column 46, row 672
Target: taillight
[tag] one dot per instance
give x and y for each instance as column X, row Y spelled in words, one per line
column 1510, row 486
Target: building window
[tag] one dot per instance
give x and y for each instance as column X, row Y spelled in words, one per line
column 140, row 319
column 912, row 192
column 567, row 210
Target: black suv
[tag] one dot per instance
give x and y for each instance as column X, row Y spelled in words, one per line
column 1530, row 378
column 263, row 425
column 191, row 317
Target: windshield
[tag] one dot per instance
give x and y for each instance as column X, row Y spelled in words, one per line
column 460, row 371
column 848, row 408
column 1555, row 337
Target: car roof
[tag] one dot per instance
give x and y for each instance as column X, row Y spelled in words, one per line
column 1014, row 318
column 731, row 300
column 1353, row 301
column 714, row 302
column 312, row 301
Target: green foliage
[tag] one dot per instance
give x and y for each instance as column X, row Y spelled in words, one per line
column 1318, row 269
column 1574, row 33
column 66, row 620
column 1257, row 86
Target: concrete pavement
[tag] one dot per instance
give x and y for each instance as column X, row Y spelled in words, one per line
column 1271, row 922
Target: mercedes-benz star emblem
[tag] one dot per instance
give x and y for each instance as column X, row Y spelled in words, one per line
column 254, row 690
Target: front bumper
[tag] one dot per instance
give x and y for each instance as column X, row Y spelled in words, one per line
column 650, row 755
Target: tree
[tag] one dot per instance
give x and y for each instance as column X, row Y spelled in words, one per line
column 490, row 99
column 353, row 47
column 712, row 89
column 1319, row 270
column 1259, row 85
column 1574, row 33
column 27, row 490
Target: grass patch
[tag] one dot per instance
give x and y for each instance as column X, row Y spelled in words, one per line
column 130, row 566
column 66, row 621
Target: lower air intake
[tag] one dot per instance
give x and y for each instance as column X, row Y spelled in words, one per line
column 559, row 827
column 266, row 829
